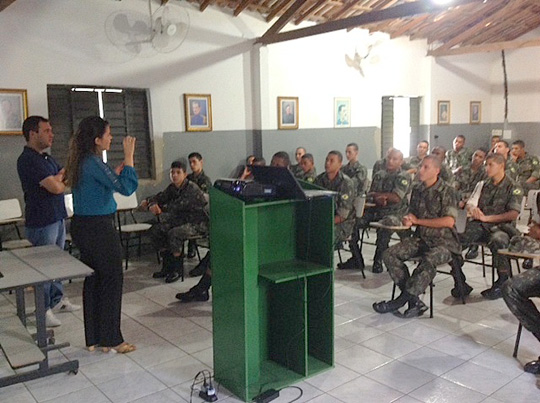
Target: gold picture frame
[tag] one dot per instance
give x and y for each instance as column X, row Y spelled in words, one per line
column 198, row 112
column 13, row 111
column 443, row 112
column 475, row 112
column 288, row 113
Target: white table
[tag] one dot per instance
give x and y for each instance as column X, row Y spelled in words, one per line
column 35, row 267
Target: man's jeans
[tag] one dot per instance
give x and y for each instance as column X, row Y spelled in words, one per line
column 53, row 234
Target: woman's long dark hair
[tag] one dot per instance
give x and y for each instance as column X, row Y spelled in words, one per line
column 83, row 144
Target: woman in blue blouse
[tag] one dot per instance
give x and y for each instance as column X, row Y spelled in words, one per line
column 93, row 183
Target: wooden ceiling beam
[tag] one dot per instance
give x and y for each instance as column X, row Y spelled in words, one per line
column 286, row 17
column 347, row 7
column 400, row 11
column 241, row 7
column 205, row 4
column 311, row 10
column 408, row 26
column 488, row 47
column 277, row 9
column 480, row 25
column 5, row 3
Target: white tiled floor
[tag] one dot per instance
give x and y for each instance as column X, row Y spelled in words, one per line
column 461, row 355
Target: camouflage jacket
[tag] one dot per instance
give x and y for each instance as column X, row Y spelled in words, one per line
column 297, row 171
column 412, row 162
column 358, row 174
column 398, row 182
column 201, row 181
column 501, row 198
column 345, row 188
column 309, row 176
column 437, row 201
column 511, row 169
column 528, row 167
column 469, row 179
column 379, row 165
column 459, row 159
column 185, row 204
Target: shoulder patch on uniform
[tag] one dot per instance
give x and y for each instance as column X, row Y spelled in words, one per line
column 404, row 182
column 517, row 191
column 345, row 196
column 535, row 161
column 513, row 169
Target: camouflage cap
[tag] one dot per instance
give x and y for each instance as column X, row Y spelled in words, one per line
column 524, row 244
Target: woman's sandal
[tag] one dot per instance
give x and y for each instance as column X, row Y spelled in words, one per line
column 123, row 348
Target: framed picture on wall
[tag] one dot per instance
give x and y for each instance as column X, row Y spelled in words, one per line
column 342, row 112
column 443, row 112
column 287, row 113
column 198, row 112
column 13, row 111
column 475, row 112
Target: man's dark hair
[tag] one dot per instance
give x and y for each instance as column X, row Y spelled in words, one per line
column 179, row 164
column 352, row 145
column 481, row 149
column 520, row 143
column 31, row 123
column 437, row 162
column 308, row 156
column 259, row 161
column 424, row 141
column 505, row 143
column 284, row 156
column 337, row 154
column 460, row 136
column 498, row 158
column 195, row 155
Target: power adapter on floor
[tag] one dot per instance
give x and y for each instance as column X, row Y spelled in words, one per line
column 267, row 396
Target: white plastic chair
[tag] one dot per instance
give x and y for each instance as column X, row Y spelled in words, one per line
column 126, row 205
column 11, row 214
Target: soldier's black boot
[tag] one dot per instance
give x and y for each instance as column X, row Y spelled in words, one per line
column 495, row 291
column 533, row 367
column 377, row 262
column 191, row 249
column 166, row 262
column 416, row 308
column 176, row 270
column 201, row 268
column 392, row 305
column 461, row 288
column 472, row 253
column 527, row 264
column 199, row 292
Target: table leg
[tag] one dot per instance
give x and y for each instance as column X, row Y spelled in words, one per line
column 21, row 306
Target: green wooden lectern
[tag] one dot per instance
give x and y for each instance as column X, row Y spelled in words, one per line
column 272, row 277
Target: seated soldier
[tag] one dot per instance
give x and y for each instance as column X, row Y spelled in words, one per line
column 458, row 159
column 380, row 165
column 502, row 147
column 308, row 168
column 280, row 159
column 528, row 167
column 492, row 219
column 181, row 211
column 297, row 168
column 517, row 293
column 246, row 174
column 334, row 179
column 388, row 191
column 433, row 209
column 493, row 143
column 354, row 170
column 472, row 176
column 440, row 153
column 412, row 164
column 198, row 177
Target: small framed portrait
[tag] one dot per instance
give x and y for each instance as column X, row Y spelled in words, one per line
column 198, row 112
column 475, row 112
column 443, row 112
column 287, row 113
column 342, row 112
column 13, row 111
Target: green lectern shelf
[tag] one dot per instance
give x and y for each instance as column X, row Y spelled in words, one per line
column 272, row 287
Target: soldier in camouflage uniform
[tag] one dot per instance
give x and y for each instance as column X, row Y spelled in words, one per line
column 388, row 191
column 492, row 220
column 433, row 210
column 198, row 177
column 528, row 167
column 502, row 147
column 472, row 176
column 458, row 159
column 297, row 169
column 445, row 173
column 412, row 164
column 334, row 179
column 517, row 293
column 181, row 211
column 380, row 165
column 354, row 170
column 308, row 168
